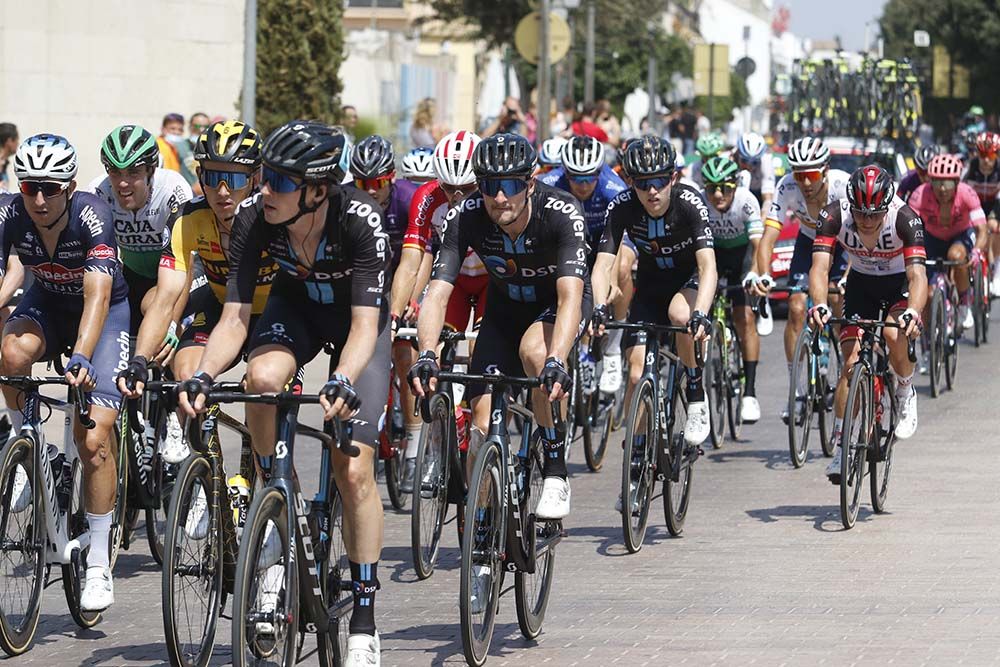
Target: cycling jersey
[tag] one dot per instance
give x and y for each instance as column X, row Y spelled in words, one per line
column 608, row 187
column 761, row 180
column 789, row 201
column 193, row 229
column 739, row 224
column 965, row 211
column 900, row 242
column 910, row 182
column 986, row 186
column 87, row 244
column 427, row 211
column 525, row 269
column 351, row 261
column 140, row 233
column 397, row 217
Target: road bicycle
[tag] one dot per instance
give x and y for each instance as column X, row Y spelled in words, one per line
column 981, row 302
column 940, row 338
column 725, row 377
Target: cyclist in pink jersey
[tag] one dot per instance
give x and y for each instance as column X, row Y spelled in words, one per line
column 954, row 222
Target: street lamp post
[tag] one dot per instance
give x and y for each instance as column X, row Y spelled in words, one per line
column 248, row 105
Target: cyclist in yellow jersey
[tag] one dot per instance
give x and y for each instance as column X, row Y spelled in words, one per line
column 229, row 156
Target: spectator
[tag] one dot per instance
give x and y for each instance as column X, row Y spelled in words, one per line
column 531, row 123
column 703, row 124
column 198, row 124
column 686, row 129
column 564, row 117
column 424, row 133
column 8, row 146
column 509, row 119
column 349, row 120
column 609, row 123
column 171, row 133
column 584, row 125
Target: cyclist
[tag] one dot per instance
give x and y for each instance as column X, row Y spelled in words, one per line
column 758, row 168
column 984, row 177
column 229, row 156
column 585, row 175
column 734, row 216
column 885, row 238
column 452, row 163
column 417, row 166
column 141, row 197
column 707, row 147
column 801, row 195
column 78, row 301
column 332, row 249
column 550, row 155
column 532, row 238
column 914, row 177
column 676, row 279
column 954, row 223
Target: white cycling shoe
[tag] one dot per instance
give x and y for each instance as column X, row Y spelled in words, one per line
column 196, row 525
column 697, row 426
column 750, row 409
column 98, row 590
column 907, row 424
column 20, row 494
column 611, row 377
column 554, row 502
column 965, row 317
column 363, row 651
column 173, row 449
column 833, row 468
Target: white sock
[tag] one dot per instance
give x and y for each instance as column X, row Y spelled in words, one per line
column 412, row 442
column 903, row 384
column 838, row 428
column 100, row 531
column 613, row 342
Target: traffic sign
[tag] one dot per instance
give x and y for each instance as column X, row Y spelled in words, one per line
column 921, row 38
column 526, row 37
column 711, row 70
column 746, row 66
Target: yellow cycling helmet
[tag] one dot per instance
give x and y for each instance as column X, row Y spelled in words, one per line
column 229, row 141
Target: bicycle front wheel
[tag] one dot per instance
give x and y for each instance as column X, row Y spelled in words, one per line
column 677, row 493
column 857, row 435
column 23, row 529
column 880, row 463
column 951, row 341
column 980, row 302
column 936, row 342
column 73, row 572
column 430, row 488
column 638, row 469
column 531, row 591
column 801, row 400
column 735, row 385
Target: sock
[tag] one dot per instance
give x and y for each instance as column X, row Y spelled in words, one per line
column 789, row 369
column 838, row 429
column 695, row 389
column 412, row 441
column 365, row 580
column 100, row 532
column 903, row 384
column 613, row 342
column 554, row 453
column 750, row 367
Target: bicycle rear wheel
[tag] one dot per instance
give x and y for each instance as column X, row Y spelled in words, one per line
column 482, row 545
column 396, row 434
column 677, row 494
column 826, row 388
column 980, row 301
column 121, row 518
column 430, row 488
column 859, row 429
column 800, row 399
column 638, row 469
column 531, row 591
column 735, row 385
column 22, row 526
column 936, row 343
column 715, row 384
column 951, row 342
column 156, row 517
column 880, row 464
column 595, row 418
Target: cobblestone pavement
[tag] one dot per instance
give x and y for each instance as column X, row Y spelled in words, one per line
column 763, row 574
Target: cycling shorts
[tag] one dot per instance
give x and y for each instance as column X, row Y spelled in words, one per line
column 295, row 322
column 938, row 249
column 732, row 264
column 59, row 320
column 468, row 295
column 864, row 295
column 503, row 326
column 802, row 261
column 138, row 286
column 652, row 304
column 204, row 311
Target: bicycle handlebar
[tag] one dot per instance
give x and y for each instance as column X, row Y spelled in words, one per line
column 649, row 327
column 503, row 380
column 911, row 344
column 446, row 336
column 26, row 383
column 164, row 386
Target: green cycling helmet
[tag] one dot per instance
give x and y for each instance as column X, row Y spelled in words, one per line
column 720, row 170
column 708, row 146
column 129, row 146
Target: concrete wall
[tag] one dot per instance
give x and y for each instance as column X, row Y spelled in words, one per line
column 81, row 67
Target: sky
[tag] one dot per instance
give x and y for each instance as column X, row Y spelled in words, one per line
column 822, row 19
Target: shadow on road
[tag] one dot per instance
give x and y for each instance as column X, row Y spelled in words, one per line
column 507, row 639
column 773, row 459
column 824, row 518
column 610, row 542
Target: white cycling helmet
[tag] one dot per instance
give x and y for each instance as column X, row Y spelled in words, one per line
column 45, row 157
column 551, row 153
column 582, row 156
column 751, row 146
column 808, row 153
column 453, row 158
column 418, row 165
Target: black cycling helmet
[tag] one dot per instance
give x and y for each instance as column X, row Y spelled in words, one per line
column 870, row 189
column 229, row 141
column 925, row 154
column 372, row 157
column 310, row 150
column 504, row 156
column 649, row 155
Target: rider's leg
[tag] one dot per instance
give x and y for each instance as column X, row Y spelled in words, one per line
column 681, row 307
column 269, row 369
column 746, row 327
column 100, row 479
column 403, row 356
column 796, row 320
column 533, row 352
column 960, row 273
column 23, row 344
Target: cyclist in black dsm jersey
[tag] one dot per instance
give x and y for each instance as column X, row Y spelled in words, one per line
column 333, row 254
column 531, row 237
column 676, row 280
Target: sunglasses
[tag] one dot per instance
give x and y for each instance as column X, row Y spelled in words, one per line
column 862, row 213
column 279, row 182
column 234, row 180
column 808, row 176
column 509, row 186
column 452, row 190
column 725, row 188
column 656, row 182
column 583, row 180
column 374, row 183
column 47, row 188
column 946, row 183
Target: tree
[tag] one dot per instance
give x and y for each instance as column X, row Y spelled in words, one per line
column 299, row 51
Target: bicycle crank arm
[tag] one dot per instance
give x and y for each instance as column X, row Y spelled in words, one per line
column 79, row 543
column 551, row 538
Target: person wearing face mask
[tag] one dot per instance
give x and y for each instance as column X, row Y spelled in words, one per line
column 171, row 133
column 141, row 197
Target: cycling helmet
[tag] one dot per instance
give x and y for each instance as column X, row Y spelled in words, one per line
column 649, row 155
column 708, row 146
column 870, row 189
column 503, row 156
column 45, row 157
column 925, row 154
column 309, row 150
column 453, row 158
column 582, row 156
column 751, row 146
column 129, row 146
column 720, row 169
column 945, row 166
column 418, row 164
column 987, row 143
column 373, row 157
column 229, row 141
column 808, row 153
column 551, row 153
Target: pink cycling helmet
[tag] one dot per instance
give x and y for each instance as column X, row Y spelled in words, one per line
column 945, row 166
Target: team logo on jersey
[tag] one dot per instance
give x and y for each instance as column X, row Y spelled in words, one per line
column 504, row 268
column 102, row 252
